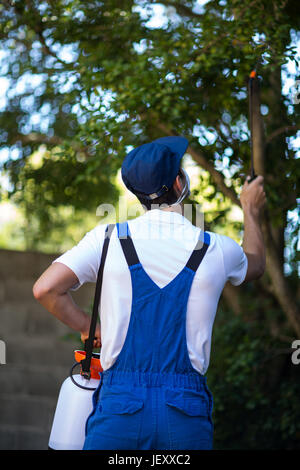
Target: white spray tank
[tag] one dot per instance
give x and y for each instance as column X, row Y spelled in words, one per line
column 75, row 397
column 74, row 406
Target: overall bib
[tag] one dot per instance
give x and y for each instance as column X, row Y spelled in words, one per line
column 152, row 397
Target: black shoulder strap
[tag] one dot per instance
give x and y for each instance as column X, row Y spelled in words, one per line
column 127, row 244
column 200, row 249
column 88, row 346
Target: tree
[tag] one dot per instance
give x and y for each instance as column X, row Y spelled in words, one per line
column 103, row 79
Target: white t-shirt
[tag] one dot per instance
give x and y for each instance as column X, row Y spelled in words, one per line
column 163, row 241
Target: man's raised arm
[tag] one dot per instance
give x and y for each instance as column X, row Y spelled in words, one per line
column 253, row 199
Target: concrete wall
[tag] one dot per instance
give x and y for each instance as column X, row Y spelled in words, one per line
column 39, row 352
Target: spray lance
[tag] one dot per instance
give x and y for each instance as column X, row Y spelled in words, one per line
column 252, row 78
column 253, row 87
column 255, row 124
column 75, row 401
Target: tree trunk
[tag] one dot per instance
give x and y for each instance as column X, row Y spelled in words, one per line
column 274, row 248
column 232, row 299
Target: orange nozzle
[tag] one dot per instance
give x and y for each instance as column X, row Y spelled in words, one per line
column 253, row 74
column 95, row 363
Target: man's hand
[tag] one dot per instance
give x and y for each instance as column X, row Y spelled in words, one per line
column 97, row 340
column 253, row 196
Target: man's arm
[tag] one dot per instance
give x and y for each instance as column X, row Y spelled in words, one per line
column 253, row 199
column 51, row 290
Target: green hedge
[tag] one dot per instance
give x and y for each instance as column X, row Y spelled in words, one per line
column 256, row 387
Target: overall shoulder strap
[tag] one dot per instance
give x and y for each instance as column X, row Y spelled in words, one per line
column 200, row 249
column 127, row 244
column 88, row 345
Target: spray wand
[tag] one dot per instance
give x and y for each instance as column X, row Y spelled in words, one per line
column 252, row 77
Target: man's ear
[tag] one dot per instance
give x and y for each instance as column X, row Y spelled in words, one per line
column 177, row 185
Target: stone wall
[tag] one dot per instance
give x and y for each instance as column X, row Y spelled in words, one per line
column 39, row 352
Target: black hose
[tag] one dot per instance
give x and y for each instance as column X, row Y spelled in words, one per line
column 73, row 380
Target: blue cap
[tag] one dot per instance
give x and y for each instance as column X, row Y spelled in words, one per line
column 150, row 170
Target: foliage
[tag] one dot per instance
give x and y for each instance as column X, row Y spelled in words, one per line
column 254, row 384
column 103, row 82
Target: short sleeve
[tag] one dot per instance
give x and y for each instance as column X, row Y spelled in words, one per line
column 235, row 261
column 84, row 258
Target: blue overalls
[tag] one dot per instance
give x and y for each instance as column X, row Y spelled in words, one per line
column 152, row 397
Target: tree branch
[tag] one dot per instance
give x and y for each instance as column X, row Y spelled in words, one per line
column 36, row 138
column 281, row 130
column 217, row 177
column 282, row 291
column 182, row 9
column 231, row 297
column 38, row 28
column 47, row 49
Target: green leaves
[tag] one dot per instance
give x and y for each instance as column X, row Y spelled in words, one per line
column 109, row 81
column 254, row 407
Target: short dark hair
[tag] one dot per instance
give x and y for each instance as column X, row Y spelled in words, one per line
column 168, row 198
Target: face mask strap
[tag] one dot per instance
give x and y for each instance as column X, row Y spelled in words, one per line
column 186, row 187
